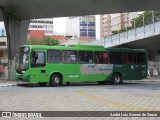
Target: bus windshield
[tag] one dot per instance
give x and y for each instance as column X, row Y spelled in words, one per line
column 22, row 59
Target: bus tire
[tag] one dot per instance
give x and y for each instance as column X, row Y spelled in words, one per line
column 116, row 78
column 56, row 80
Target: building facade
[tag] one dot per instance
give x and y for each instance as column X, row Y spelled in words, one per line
column 115, row 22
column 83, row 26
column 45, row 25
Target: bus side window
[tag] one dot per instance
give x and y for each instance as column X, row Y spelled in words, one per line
column 54, row 56
column 126, row 58
column 133, row 58
column 129, row 58
column 69, row 56
column 38, row 59
column 141, row 57
column 100, row 57
column 115, row 57
column 105, row 57
column 34, row 57
column 85, row 57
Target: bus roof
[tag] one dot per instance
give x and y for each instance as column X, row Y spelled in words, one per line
column 69, row 47
column 125, row 49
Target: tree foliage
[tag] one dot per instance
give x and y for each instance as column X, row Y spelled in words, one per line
column 45, row 41
column 141, row 20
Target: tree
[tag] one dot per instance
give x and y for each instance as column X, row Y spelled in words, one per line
column 148, row 18
column 138, row 21
column 45, row 41
column 33, row 41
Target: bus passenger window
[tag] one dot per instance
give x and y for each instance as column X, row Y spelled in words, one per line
column 133, row 58
column 54, row 56
column 115, row 57
column 38, row 59
column 100, row 57
column 85, row 57
column 141, row 57
column 129, row 58
column 69, row 56
column 126, row 58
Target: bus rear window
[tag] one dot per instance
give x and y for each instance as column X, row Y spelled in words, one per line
column 141, row 58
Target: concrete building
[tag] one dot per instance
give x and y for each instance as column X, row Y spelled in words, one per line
column 3, row 52
column 114, row 22
column 83, row 26
column 45, row 25
column 3, row 47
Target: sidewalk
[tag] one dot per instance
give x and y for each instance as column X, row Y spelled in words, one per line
column 149, row 79
column 7, row 83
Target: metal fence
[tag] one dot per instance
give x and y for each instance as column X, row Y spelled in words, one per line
column 147, row 28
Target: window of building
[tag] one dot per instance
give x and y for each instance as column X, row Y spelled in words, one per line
column 3, row 44
column 85, row 57
column 69, row 56
column 54, row 56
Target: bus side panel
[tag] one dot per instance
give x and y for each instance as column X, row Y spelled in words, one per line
column 69, row 72
column 38, row 74
column 100, row 77
column 131, row 72
column 95, row 72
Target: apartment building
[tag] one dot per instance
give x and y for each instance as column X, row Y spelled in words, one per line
column 113, row 22
column 45, row 24
column 83, row 26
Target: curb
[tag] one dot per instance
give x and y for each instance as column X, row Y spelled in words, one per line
column 7, row 85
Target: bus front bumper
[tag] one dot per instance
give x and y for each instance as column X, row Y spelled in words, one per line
column 24, row 78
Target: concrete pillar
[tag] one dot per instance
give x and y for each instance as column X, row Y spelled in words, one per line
column 16, row 35
column 16, row 31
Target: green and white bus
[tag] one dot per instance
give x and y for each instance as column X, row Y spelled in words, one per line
column 79, row 63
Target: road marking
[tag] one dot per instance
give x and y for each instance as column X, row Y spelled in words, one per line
column 118, row 105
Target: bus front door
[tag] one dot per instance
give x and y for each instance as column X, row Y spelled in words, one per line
column 38, row 63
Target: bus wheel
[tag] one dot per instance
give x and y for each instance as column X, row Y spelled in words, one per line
column 42, row 84
column 56, row 80
column 116, row 78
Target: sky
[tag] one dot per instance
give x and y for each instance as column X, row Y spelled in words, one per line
column 1, row 25
column 60, row 25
